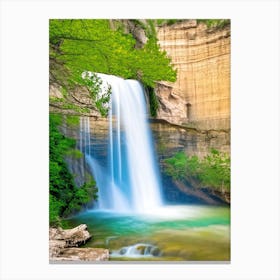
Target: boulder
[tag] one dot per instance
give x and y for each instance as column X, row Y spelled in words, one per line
column 63, row 245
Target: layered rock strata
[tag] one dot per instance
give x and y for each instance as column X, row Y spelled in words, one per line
column 201, row 94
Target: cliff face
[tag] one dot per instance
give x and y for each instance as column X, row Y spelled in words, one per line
column 199, row 98
column 201, row 95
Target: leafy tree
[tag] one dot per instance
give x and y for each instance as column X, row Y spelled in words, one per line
column 81, row 45
column 98, row 94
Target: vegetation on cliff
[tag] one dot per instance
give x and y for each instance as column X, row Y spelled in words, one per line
column 161, row 22
column 81, row 45
column 211, row 171
column 65, row 197
column 215, row 23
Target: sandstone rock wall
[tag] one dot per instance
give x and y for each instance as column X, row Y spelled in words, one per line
column 201, row 94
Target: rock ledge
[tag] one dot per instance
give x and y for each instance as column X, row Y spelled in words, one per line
column 63, row 245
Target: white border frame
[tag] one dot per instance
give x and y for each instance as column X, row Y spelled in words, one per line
column 24, row 138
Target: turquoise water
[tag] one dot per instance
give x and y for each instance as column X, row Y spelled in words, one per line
column 181, row 233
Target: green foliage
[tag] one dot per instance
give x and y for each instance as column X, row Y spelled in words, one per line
column 55, row 206
column 176, row 166
column 215, row 23
column 81, row 197
column 61, row 181
column 154, row 64
column 151, row 29
column 72, row 120
column 100, row 97
column 161, row 22
column 75, row 154
column 153, row 101
column 212, row 171
column 216, row 170
column 74, row 107
column 55, row 99
column 65, row 197
column 91, row 45
column 64, row 91
column 172, row 21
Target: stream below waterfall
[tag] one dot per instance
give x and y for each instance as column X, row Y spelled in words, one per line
column 171, row 233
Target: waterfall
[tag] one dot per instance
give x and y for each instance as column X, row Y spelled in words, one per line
column 130, row 181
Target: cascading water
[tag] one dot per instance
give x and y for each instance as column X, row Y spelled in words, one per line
column 137, row 250
column 130, row 181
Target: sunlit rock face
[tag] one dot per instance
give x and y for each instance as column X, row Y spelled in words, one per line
column 63, row 245
column 201, row 94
